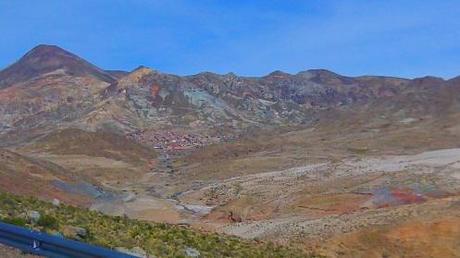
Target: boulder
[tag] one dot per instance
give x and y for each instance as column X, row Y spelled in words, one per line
column 75, row 232
column 192, row 252
column 34, row 216
column 56, row 202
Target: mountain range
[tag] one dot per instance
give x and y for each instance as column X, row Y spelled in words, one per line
column 314, row 158
column 50, row 87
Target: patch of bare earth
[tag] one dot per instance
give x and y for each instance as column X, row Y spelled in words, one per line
column 9, row 252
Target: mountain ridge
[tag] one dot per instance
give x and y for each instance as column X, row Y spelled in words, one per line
column 44, row 51
column 145, row 98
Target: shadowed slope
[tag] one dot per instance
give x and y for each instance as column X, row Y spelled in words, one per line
column 94, row 144
column 23, row 175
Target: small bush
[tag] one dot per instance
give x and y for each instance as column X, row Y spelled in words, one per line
column 48, row 222
column 15, row 221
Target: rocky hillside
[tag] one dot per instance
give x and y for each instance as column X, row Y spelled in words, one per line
column 312, row 157
column 160, row 240
column 50, row 87
column 46, row 87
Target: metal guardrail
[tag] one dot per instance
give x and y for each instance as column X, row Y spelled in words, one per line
column 35, row 242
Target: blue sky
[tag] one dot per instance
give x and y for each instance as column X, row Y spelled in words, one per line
column 407, row 38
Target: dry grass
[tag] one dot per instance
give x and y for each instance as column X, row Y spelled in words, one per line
column 94, row 144
column 161, row 240
column 20, row 174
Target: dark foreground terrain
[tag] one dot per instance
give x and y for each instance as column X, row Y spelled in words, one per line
column 122, row 233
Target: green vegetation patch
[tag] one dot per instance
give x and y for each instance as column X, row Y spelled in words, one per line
column 162, row 240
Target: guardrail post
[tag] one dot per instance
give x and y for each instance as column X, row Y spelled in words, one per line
column 36, row 245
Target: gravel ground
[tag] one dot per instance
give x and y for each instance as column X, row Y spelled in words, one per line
column 8, row 252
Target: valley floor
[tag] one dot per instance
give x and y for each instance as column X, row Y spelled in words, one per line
column 341, row 207
column 369, row 194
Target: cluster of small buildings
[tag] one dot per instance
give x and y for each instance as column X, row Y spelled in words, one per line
column 171, row 140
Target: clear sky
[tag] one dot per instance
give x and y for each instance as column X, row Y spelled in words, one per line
column 406, row 38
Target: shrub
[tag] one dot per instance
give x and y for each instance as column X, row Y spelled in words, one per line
column 48, row 222
column 15, row 221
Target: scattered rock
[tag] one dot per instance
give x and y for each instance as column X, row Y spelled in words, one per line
column 139, row 251
column 135, row 251
column 130, row 197
column 184, row 223
column 75, row 232
column 192, row 252
column 124, row 250
column 408, row 120
column 234, row 217
column 58, row 234
column 56, row 202
column 34, row 216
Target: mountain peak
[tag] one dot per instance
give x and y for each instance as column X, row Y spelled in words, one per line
column 45, row 49
column 324, row 76
column 44, row 59
column 320, row 72
column 141, row 70
column 277, row 74
column 50, row 57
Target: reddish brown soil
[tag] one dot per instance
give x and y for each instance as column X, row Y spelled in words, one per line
column 436, row 238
